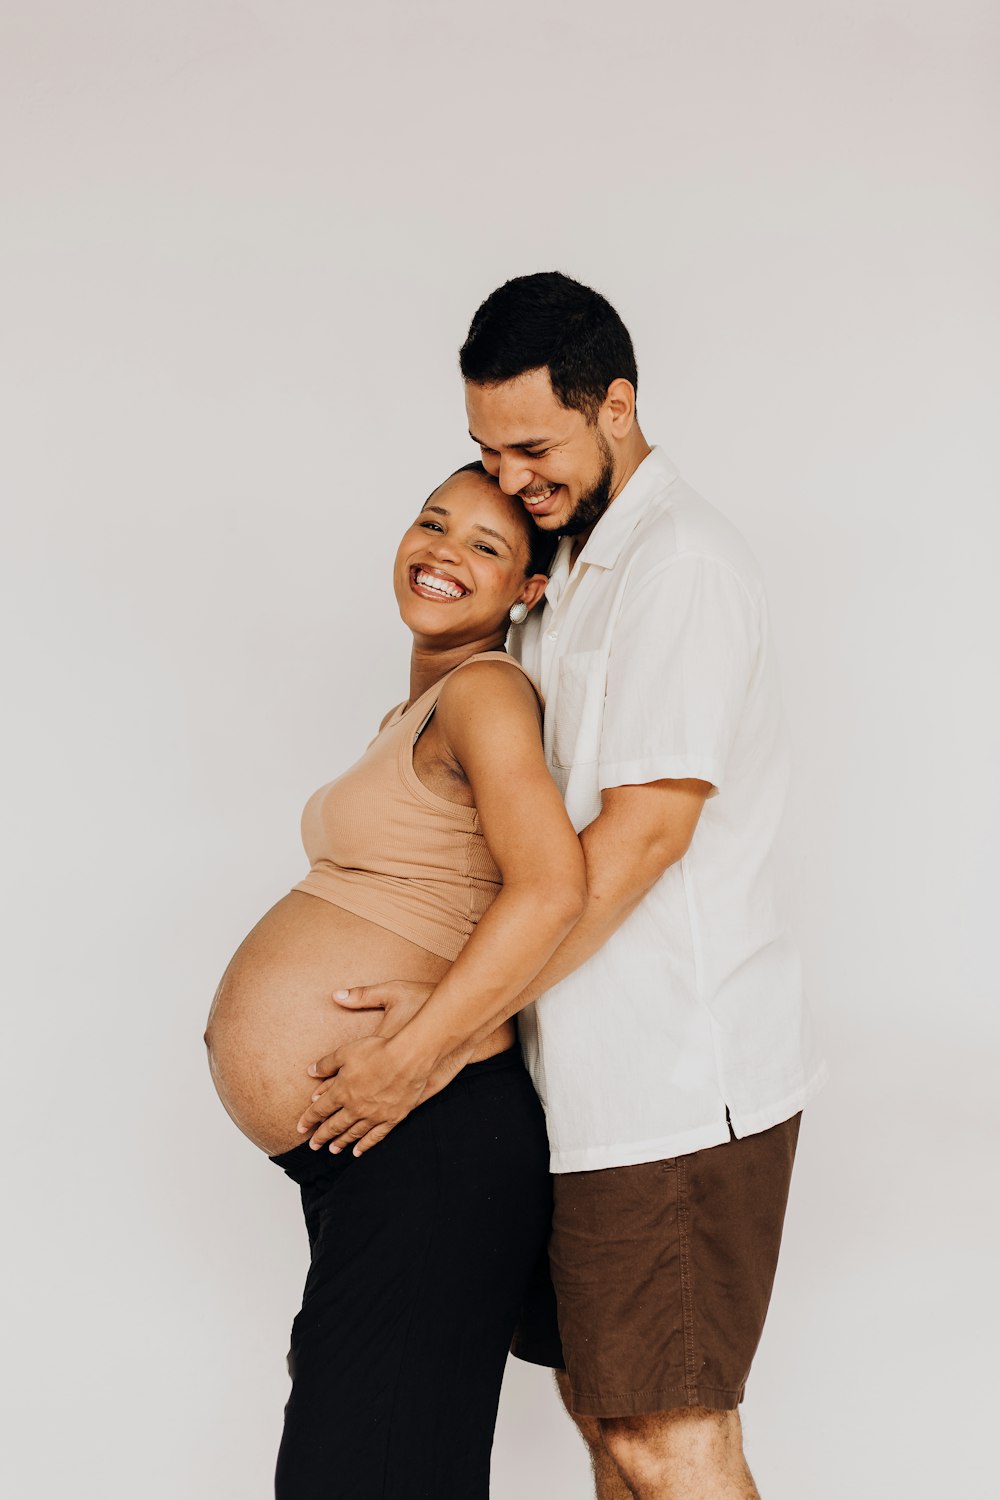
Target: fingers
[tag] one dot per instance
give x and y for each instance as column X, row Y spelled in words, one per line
column 362, row 1135
column 321, row 1106
column 326, row 1067
column 342, row 1129
column 362, row 997
column 402, row 1001
column 376, row 1134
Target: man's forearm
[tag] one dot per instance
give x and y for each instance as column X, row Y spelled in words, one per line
column 640, row 831
column 520, row 931
column 618, row 876
column 601, row 917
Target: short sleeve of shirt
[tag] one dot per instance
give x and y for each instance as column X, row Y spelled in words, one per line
column 683, row 653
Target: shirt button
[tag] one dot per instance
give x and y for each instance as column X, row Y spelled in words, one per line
column 552, row 635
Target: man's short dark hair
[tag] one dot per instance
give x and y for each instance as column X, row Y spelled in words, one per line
column 541, row 544
column 548, row 320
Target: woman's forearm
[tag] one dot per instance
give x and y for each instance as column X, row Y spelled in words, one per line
column 515, row 939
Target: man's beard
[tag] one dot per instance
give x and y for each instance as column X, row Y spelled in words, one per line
column 590, row 507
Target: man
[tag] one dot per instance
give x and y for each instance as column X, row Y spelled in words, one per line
column 669, row 1042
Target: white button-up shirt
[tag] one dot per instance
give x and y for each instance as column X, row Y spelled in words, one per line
column 654, row 657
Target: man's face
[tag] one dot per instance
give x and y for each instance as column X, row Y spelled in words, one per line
column 560, row 465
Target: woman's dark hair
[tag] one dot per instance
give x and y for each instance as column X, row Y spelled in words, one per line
column 541, row 544
column 550, row 320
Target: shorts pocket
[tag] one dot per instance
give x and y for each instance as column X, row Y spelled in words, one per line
column 578, row 709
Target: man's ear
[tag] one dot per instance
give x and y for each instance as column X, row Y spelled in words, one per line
column 618, row 410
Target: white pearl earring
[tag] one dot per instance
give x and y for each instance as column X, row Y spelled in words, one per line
column 518, row 612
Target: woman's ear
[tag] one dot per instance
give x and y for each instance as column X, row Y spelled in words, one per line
column 534, row 588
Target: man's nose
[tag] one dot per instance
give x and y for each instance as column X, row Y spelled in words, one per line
column 515, row 475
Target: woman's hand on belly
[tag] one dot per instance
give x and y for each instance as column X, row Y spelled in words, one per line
column 370, row 1087
column 397, row 1000
column 375, row 1084
column 341, row 1109
column 400, row 999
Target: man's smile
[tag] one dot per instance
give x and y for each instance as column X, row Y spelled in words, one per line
column 537, row 500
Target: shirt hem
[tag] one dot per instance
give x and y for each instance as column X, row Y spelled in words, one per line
column 659, row 768
column 634, row 1153
column 752, row 1122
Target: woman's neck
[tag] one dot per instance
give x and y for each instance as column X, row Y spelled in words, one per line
column 429, row 663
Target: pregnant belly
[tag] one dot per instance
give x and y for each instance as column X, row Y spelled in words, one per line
column 274, row 1011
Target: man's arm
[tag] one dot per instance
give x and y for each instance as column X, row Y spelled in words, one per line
column 639, row 832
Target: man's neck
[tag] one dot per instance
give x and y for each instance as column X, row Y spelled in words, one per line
column 633, row 451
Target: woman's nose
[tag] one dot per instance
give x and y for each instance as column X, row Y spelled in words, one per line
column 515, row 475
column 443, row 548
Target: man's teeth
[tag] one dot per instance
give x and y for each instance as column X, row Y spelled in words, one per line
column 542, row 495
column 441, row 586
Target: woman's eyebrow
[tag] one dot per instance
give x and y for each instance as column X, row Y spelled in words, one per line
column 439, row 510
column 497, row 535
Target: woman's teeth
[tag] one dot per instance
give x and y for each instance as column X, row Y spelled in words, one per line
column 444, row 586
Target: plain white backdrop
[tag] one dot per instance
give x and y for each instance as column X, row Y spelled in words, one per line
column 242, row 242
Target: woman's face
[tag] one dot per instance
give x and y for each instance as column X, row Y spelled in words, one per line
column 461, row 565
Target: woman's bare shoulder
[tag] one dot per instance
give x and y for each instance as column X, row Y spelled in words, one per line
column 500, row 688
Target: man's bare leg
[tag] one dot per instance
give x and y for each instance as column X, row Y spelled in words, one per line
column 686, row 1454
column 608, row 1483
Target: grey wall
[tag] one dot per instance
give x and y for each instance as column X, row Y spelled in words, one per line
column 242, row 242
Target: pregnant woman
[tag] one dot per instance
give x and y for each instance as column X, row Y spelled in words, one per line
column 446, row 846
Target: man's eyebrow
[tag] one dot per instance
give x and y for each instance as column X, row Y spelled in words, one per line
column 528, row 443
column 498, row 535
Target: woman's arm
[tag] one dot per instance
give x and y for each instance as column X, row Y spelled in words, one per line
column 488, row 717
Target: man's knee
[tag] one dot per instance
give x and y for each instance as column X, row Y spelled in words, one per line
column 662, row 1444
column 608, row 1482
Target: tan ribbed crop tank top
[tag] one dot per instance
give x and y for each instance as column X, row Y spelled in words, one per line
column 382, row 845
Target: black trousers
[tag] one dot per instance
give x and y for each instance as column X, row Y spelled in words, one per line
column 421, row 1253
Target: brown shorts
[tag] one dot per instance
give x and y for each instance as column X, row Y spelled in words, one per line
column 661, row 1275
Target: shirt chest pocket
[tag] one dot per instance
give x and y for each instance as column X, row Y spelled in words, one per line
column 577, row 714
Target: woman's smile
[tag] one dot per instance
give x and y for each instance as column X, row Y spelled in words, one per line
column 434, row 583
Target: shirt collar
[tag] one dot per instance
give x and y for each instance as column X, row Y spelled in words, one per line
column 604, row 545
